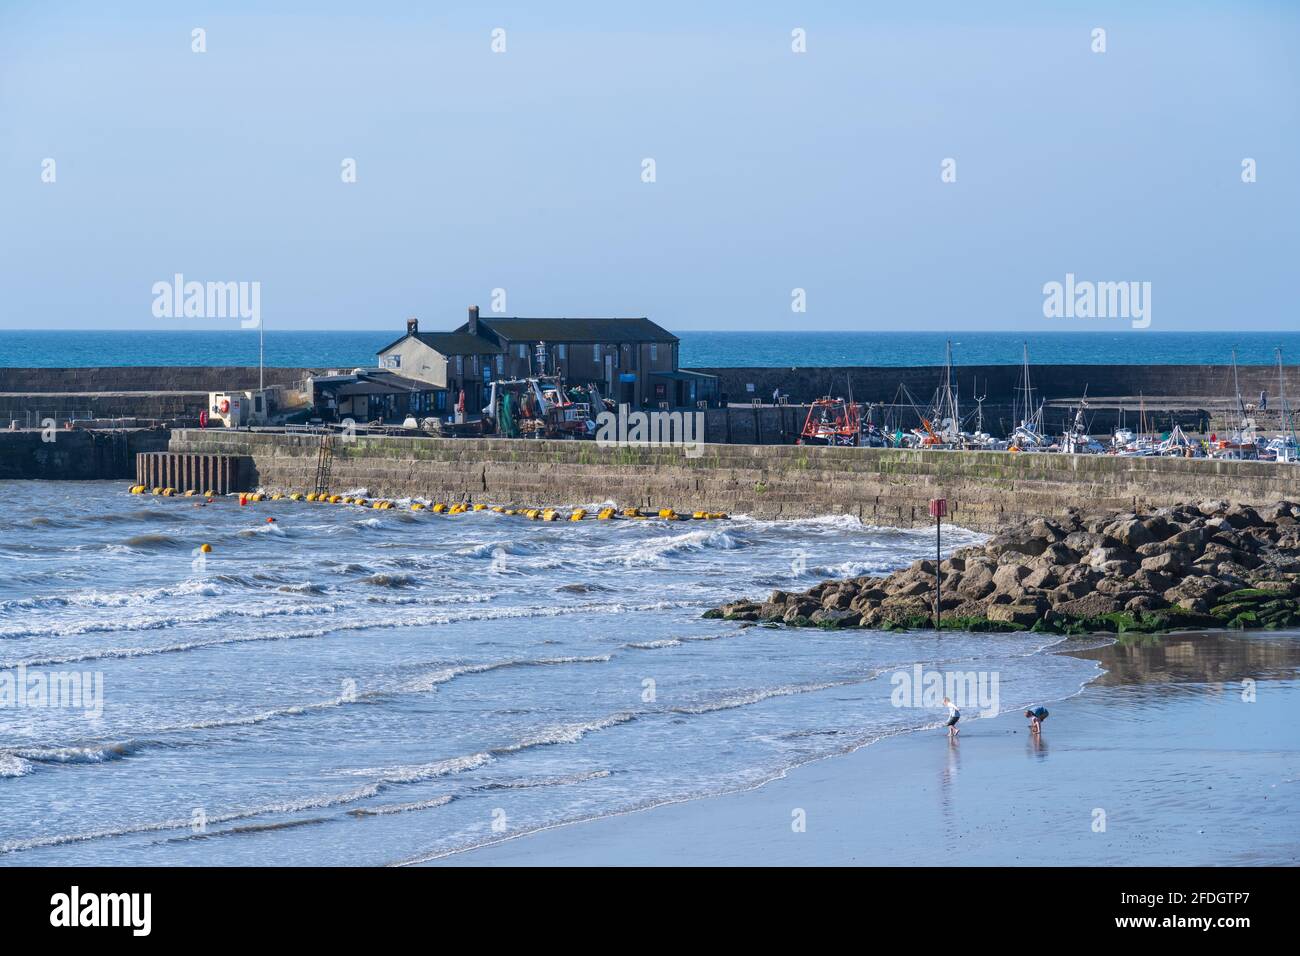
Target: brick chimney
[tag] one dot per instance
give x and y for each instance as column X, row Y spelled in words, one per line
column 473, row 320
column 412, row 326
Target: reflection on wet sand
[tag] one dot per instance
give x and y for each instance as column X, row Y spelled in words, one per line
column 1204, row 657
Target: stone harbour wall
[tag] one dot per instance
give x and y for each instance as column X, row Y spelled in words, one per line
column 986, row 490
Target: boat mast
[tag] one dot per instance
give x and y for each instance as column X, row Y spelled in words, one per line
column 1236, row 387
column 1026, row 387
column 1288, row 420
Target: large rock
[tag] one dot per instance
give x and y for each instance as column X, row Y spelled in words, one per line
column 1009, row 576
column 1100, row 557
column 1130, row 533
column 1171, row 562
column 1041, row 578
column 1091, row 605
column 838, row 600
column 1023, row 614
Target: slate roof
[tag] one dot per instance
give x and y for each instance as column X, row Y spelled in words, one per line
column 516, row 329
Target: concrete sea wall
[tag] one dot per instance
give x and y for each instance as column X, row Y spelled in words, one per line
column 76, row 454
column 882, row 486
column 29, row 395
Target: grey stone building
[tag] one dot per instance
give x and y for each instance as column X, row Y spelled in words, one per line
column 632, row 360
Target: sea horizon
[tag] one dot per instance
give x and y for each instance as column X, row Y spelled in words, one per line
column 297, row 348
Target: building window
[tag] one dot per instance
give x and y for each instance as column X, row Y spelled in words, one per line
column 392, row 361
column 523, row 350
column 501, row 364
column 563, row 352
column 654, row 352
column 460, row 365
column 595, row 354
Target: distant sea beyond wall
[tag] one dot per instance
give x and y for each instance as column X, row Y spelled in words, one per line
column 335, row 349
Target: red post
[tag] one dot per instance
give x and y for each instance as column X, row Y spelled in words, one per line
column 938, row 508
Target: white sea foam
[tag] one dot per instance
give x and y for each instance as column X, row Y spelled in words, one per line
column 12, row 765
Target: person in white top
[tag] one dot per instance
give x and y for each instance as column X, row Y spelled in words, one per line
column 954, row 715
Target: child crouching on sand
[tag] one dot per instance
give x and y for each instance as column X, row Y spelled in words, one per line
column 1036, row 717
column 954, row 715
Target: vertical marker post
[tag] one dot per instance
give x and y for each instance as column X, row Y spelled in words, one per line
column 938, row 508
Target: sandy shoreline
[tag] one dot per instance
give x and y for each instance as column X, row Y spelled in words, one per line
column 1184, row 770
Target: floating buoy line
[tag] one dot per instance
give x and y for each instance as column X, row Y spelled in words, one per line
column 438, row 508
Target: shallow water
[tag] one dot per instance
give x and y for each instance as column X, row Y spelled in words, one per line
column 348, row 686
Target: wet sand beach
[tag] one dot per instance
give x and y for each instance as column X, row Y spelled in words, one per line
column 1168, row 758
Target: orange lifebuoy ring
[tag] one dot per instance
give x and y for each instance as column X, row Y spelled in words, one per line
column 203, row 418
column 225, row 405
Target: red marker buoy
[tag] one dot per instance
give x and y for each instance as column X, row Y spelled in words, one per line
column 270, row 521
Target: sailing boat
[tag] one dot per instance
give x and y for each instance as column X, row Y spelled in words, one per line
column 1244, row 442
column 1143, row 444
column 1283, row 448
column 1076, row 440
column 1028, row 435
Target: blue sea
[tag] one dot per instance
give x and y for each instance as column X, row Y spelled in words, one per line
column 346, row 686
column 313, row 349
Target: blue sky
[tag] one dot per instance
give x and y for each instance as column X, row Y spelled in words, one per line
column 775, row 170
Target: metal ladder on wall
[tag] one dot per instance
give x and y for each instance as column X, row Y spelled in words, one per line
column 324, row 460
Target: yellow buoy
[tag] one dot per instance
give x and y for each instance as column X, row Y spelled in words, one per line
column 205, row 548
column 631, row 513
column 509, row 511
column 700, row 515
column 605, row 514
column 498, row 509
column 439, row 508
column 296, row 496
column 578, row 515
column 479, row 507
column 667, row 513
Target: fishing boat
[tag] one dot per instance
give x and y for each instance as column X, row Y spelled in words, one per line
column 831, row 421
column 1178, row 445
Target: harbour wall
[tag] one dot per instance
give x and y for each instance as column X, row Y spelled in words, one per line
column 1199, row 397
column 29, row 395
column 76, row 454
column 985, row 490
